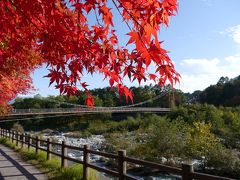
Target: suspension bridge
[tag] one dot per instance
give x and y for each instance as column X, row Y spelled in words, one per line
column 77, row 109
column 80, row 109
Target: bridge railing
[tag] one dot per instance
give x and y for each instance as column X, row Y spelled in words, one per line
column 95, row 109
column 27, row 141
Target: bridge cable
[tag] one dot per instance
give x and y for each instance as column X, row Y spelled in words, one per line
column 125, row 106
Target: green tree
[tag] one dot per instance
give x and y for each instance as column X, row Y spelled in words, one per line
column 165, row 139
column 200, row 141
column 98, row 101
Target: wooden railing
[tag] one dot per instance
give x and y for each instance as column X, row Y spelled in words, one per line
column 21, row 139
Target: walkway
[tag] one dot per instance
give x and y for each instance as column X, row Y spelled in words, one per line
column 12, row 167
column 78, row 110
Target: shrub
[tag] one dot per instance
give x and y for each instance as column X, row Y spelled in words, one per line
column 17, row 127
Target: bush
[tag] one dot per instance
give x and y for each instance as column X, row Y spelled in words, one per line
column 17, row 127
column 225, row 162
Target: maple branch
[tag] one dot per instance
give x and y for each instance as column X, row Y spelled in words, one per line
column 131, row 17
column 97, row 18
column 56, row 34
column 24, row 15
column 130, row 14
column 121, row 15
column 139, row 35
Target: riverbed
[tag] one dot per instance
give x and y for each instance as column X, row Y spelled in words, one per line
column 97, row 143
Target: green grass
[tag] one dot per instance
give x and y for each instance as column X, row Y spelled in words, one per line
column 53, row 166
column 73, row 172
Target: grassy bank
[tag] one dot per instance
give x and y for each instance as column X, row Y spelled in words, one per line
column 53, row 166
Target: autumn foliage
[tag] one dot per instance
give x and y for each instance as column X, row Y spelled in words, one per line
column 59, row 34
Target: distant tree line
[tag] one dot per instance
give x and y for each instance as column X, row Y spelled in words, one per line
column 226, row 92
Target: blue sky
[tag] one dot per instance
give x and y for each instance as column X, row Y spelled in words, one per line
column 203, row 40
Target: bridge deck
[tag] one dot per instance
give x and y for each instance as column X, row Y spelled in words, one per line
column 13, row 167
column 17, row 112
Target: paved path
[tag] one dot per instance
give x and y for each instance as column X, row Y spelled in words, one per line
column 12, row 167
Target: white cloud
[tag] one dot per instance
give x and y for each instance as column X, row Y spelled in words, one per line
column 199, row 66
column 234, row 32
column 198, row 74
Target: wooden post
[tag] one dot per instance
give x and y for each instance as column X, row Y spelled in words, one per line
column 12, row 136
column 63, row 155
column 49, row 148
column 23, row 139
column 122, row 168
column 187, row 169
column 9, row 134
column 85, row 162
column 29, row 141
column 37, row 144
column 17, row 138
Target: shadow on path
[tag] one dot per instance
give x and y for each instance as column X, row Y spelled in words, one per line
column 13, row 169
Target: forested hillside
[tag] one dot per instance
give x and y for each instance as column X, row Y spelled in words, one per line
column 225, row 93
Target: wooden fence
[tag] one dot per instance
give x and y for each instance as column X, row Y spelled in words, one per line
column 186, row 172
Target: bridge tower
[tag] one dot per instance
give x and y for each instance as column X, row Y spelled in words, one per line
column 171, row 99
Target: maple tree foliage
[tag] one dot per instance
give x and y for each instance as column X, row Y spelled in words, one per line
column 58, row 33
